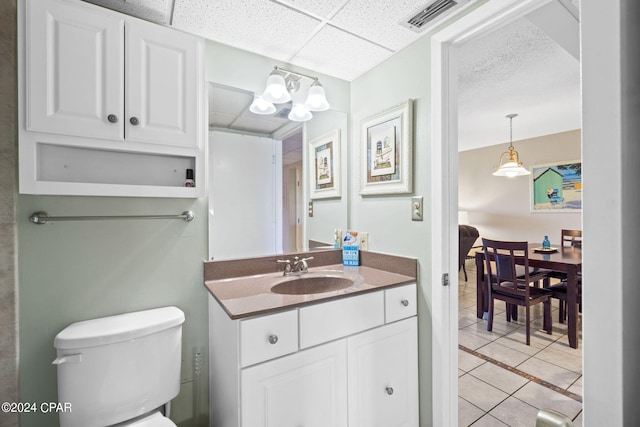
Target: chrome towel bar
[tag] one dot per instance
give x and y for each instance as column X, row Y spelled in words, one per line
column 43, row 217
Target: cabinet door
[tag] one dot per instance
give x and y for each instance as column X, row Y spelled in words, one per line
column 75, row 69
column 306, row 389
column 383, row 376
column 163, row 86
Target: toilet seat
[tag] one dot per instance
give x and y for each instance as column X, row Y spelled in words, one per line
column 156, row 419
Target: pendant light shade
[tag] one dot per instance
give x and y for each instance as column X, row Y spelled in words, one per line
column 512, row 166
column 276, row 90
column 261, row 106
column 316, row 99
column 299, row 113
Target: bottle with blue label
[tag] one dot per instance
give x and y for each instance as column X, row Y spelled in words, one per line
column 546, row 244
column 350, row 249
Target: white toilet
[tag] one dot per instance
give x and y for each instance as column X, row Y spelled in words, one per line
column 121, row 370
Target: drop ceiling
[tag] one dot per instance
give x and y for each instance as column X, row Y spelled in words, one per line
column 529, row 67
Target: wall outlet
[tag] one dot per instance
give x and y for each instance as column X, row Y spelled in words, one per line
column 363, row 240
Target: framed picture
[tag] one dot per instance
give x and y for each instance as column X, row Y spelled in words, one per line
column 324, row 165
column 557, row 187
column 386, row 157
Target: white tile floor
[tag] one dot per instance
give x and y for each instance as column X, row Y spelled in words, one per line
column 504, row 382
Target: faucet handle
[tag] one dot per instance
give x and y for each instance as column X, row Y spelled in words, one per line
column 287, row 267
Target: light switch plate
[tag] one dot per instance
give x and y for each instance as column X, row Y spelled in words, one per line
column 416, row 208
column 310, row 208
column 364, row 240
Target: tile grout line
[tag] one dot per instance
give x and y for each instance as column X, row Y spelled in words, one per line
column 523, row 374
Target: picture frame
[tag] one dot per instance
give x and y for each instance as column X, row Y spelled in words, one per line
column 325, row 166
column 556, row 187
column 387, row 151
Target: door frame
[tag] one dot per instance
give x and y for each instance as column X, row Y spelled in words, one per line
column 444, row 191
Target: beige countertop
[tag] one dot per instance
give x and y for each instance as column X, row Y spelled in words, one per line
column 250, row 295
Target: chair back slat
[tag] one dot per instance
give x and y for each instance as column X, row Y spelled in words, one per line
column 571, row 238
column 502, row 260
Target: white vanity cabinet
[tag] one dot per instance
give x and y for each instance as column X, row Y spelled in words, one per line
column 109, row 104
column 354, row 364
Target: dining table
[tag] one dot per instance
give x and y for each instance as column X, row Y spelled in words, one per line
column 567, row 259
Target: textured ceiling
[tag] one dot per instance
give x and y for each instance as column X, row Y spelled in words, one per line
column 516, row 69
column 529, row 67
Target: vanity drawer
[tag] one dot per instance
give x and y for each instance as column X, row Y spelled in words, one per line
column 400, row 303
column 336, row 319
column 267, row 337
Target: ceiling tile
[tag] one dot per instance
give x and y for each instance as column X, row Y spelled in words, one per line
column 151, row 10
column 221, row 120
column 340, row 54
column 229, row 101
column 322, row 8
column 266, row 28
column 256, row 124
column 378, row 21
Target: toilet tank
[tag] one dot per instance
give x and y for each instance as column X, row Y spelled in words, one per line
column 115, row 368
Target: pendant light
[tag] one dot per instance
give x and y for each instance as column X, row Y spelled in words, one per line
column 513, row 166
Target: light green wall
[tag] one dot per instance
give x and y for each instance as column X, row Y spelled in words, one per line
column 404, row 76
column 72, row 271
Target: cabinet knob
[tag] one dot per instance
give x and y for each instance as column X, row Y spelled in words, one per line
column 404, row 302
column 273, row 339
column 112, row 118
column 389, row 390
column 134, row 121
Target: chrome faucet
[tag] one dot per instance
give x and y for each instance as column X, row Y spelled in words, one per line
column 298, row 266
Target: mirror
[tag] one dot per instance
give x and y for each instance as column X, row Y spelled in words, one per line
column 259, row 179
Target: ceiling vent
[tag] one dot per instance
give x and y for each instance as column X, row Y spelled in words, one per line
column 419, row 19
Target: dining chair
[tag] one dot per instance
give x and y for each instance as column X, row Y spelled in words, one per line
column 568, row 239
column 509, row 279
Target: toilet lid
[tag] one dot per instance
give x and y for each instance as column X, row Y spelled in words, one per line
column 154, row 420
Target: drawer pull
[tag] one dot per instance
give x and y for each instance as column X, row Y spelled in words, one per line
column 134, row 121
column 273, row 339
column 112, row 118
column 404, row 302
column 389, row 390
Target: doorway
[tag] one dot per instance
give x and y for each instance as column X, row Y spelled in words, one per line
column 444, row 166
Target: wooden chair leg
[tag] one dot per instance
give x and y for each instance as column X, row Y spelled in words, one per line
column 547, row 317
column 561, row 310
column 490, row 322
column 528, row 326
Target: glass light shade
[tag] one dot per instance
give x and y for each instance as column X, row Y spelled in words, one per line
column 261, row 106
column 316, row 99
column 276, row 91
column 513, row 167
column 299, row 113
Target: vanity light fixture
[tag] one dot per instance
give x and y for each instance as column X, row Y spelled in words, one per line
column 281, row 85
column 513, row 166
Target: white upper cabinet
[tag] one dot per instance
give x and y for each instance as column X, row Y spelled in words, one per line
column 75, row 70
column 161, row 84
column 110, row 105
